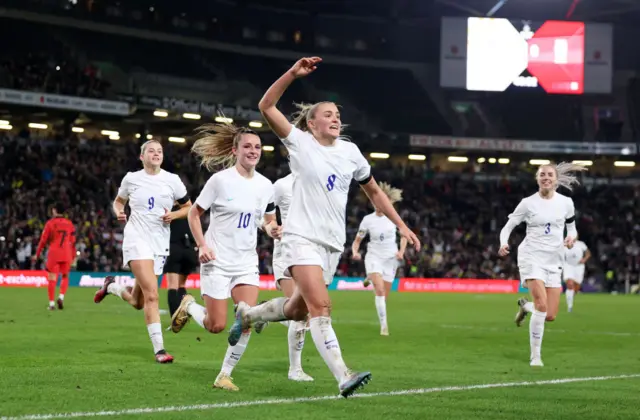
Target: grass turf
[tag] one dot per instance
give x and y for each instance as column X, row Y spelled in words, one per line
column 90, row 358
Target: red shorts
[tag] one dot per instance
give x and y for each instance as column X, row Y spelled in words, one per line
column 58, row 267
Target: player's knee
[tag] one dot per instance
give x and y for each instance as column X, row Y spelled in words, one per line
column 550, row 318
column 541, row 306
column 215, row 327
column 299, row 313
column 324, row 308
column 138, row 305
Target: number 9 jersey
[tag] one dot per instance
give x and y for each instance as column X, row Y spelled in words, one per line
column 237, row 206
column 146, row 236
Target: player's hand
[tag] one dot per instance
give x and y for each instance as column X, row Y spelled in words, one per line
column 569, row 241
column 399, row 256
column 168, row 216
column 273, row 230
column 122, row 216
column 205, row 254
column 411, row 237
column 305, row 66
column 356, row 256
column 503, row 251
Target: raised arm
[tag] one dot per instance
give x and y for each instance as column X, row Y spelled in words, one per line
column 267, row 105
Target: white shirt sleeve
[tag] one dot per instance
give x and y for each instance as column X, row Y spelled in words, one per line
column 277, row 193
column 363, row 169
column 515, row 219
column 294, row 139
column 123, row 191
column 363, row 230
column 571, row 214
column 208, row 194
column 179, row 189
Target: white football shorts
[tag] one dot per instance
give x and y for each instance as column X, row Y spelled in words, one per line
column 138, row 250
column 574, row 272
column 386, row 267
column 217, row 284
column 297, row 250
column 551, row 278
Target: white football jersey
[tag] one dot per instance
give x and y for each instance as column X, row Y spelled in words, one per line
column 382, row 236
column 543, row 244
column 237, row 206
column 283, row 188
column 574, row 255
column 323, row 175
column 150, row 196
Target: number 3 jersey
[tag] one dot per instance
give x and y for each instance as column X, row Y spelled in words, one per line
column 382, row 236
column 237, row 205
column 150, row 197
column 543, row 244
column 322, row 177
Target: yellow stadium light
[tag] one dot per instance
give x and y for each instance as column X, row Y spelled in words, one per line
column 191, row 116
column 77, row 129
column 109, row 133
column 224, row 120
column 4, row 122
column 177, row 139
column 624, row 164
column 38, row 126
column 583, row 162
column 377, row 155
column 6, row 127
column 481, row 160
column 503, row 161
column 417, row 157
column 160, row 113
column 458, row 159
column 539, row 162
column 255, row 124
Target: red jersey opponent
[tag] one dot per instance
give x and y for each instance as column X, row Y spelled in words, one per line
column 60, row 235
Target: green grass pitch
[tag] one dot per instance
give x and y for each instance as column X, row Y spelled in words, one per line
column 90, row 358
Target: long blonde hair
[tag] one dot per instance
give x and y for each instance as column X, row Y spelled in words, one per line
column 565, row 174
column 300, row 118
column 215, row 143
column 394, row 194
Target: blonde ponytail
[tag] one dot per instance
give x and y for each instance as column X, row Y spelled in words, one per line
column 304, row 113
column 565, row 174
column 394, row 194
column 215, row 143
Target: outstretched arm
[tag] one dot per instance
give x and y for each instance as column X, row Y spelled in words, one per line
column 515, row 219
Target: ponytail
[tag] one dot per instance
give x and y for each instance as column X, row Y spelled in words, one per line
column 215, row 143
column 394, row 194
column 565, row 174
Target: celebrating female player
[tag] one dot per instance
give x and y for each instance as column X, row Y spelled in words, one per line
column 238, row 198
column 151, row 192
column 297, row 329
column 383, row 256
column 541, row 253
column 323, row 165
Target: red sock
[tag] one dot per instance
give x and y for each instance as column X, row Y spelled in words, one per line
column 52, row 290
column 64, row 284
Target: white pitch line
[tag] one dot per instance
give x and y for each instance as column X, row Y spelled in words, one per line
column 275, row 401
column 547, row 329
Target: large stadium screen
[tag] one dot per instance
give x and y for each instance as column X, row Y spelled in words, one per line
column 558, row 57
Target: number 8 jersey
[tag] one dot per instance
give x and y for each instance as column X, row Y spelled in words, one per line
column 543, row 244
column 149, row 196
column 237, row 206
column 322, row 177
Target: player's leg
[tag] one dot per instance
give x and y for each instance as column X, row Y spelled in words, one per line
column 65, row 268
column 52, row 280
column 146, row 272
column 173, row 282
column 380, row 300
column 295, row 337
column 538, row 317
column 244, row 289
column 570, row 293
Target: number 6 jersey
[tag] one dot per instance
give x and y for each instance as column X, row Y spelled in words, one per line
column 237, row 205
column 543, row 244
column 322, row 176
column 150, row 196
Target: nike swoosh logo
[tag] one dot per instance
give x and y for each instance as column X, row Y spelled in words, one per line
column 326, row 343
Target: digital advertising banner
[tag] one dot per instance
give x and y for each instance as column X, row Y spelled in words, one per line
column 495, row 54
column 26, row 278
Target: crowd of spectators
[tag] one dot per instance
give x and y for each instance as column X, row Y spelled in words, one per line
column 457, row 216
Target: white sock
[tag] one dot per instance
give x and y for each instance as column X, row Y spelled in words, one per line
column 116, row 289
column 234, row 353
column 285, row 323
column 381, row 307
column 61, row 296
column 327, row 344
column 536, row 331
column 272, row 311
column 52, row 303
column 295, row 337
column 155, row 334
column 529, row 307
column 570, row 293
column 197, row 312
